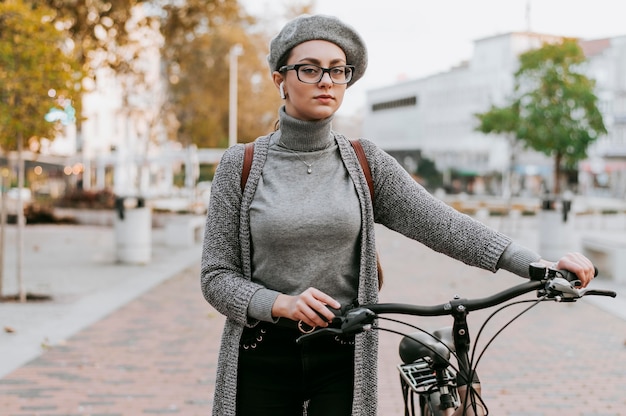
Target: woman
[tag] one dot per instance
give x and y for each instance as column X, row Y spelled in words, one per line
column 300, row 239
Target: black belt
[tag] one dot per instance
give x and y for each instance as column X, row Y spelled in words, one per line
column 302, row 328
column 295, row 325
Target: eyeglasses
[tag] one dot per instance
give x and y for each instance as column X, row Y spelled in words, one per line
column 312, row 74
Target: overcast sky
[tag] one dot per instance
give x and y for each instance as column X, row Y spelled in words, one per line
column 417, row 38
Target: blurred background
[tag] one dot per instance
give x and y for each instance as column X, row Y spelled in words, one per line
column 111, row 110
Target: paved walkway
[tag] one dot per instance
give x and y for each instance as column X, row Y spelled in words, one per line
column 133, row 340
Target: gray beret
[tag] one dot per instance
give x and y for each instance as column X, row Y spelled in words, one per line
column 320, row 27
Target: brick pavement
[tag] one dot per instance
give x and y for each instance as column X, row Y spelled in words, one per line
column 156, row 354
column 557, row 359
column 77, row 267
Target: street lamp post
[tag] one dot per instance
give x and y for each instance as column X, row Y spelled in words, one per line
column 235, row 52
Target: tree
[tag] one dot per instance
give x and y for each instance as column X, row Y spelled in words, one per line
column 95, row 26
column 36, row 72
column 36, row 75
column 553, row 109
column 197, row 37
column 198, row 72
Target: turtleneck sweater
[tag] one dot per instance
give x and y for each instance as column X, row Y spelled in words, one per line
column 304, row 226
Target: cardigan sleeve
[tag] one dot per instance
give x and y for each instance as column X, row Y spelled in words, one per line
column 222, row 278
column 403, row 205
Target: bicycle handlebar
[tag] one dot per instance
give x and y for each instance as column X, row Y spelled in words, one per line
column 447, row 308
column 554, row 285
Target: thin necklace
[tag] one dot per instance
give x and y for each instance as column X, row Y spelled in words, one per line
column 308, row 165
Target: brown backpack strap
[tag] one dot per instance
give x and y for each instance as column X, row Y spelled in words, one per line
column 360, row 154
column 247, row 163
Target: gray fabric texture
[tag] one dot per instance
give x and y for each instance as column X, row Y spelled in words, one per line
column 320, row 27
column 400, row 204
column 305, row 227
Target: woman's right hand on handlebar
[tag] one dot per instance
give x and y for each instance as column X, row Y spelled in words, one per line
column 310, row 307
column 578, row 264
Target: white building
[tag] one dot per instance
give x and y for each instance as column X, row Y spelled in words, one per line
column 435, row 115
column 606, row 167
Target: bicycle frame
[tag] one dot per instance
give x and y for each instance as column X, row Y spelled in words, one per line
column 449, row 395
column 452, row 394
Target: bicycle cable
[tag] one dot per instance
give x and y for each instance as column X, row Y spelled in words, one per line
column 474, row 364
column 428, row 347
column 482, row 327
column 471, row 391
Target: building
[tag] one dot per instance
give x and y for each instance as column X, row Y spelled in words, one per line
column 605, row 171
column 433, row 117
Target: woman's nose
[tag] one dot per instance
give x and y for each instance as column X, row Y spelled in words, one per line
column 326, row 79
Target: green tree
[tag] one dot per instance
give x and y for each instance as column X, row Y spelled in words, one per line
column 36, row 74
column 198, row 35
column 95, row 26
column 553, row 109
column 103, row 33
column 198, row 70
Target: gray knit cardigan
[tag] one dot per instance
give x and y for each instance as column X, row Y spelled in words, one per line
column 400, row 204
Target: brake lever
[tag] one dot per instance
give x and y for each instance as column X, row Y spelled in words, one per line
column 571, row 277
column 597, row 292
column 560, row 287
column 355, row 321
column 566, row 291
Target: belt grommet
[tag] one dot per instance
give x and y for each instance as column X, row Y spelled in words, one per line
column 305, row 328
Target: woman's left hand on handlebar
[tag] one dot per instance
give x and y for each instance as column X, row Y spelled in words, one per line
column 579, row 264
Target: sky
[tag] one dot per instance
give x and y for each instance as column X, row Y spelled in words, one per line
column 410, row 39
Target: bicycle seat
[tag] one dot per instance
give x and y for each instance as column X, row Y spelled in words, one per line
column 419, row 345
column 445, row 335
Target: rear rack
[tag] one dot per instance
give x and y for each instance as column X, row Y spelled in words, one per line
column 420, row 377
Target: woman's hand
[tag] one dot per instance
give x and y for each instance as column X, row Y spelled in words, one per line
column 578, row 264
column 308, row 307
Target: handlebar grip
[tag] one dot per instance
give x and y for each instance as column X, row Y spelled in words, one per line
column 537, row 271
column 571, row 277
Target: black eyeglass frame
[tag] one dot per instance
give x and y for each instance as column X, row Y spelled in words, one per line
column 297, row 67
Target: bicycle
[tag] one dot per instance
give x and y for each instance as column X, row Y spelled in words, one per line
column 447, row 387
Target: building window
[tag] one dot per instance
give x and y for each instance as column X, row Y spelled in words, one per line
column 402, row 102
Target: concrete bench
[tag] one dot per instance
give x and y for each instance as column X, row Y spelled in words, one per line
column 184, row 230
column 608, row 253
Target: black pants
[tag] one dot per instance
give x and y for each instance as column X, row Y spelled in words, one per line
column 278, row 377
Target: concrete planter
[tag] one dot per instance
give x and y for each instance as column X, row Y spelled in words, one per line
column 133, row 236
